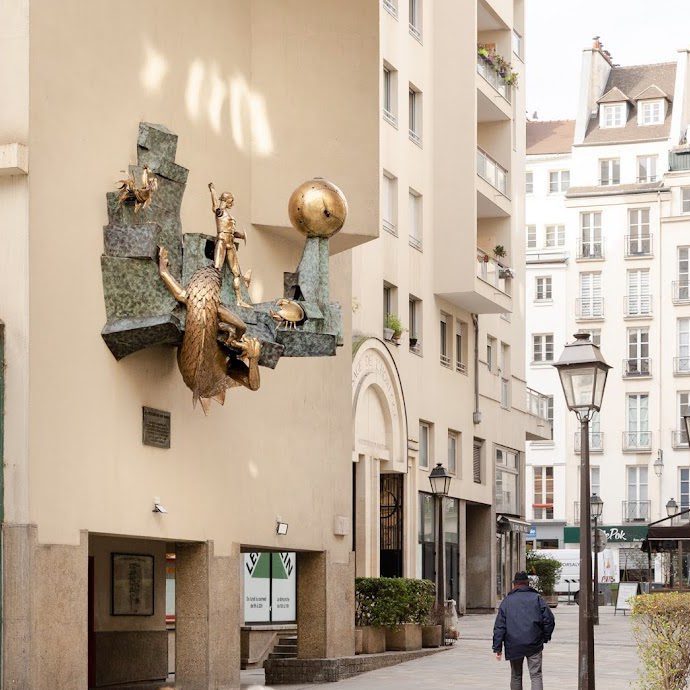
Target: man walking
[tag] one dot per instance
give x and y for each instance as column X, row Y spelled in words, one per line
column 524, row 624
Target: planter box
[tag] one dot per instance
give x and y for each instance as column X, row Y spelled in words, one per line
column 431, row 636
column 404, row 638
column 359, row 634
column 551, row 600
column 373, row 639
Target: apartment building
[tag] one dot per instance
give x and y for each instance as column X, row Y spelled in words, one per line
column 450, row 388
column 621, row 255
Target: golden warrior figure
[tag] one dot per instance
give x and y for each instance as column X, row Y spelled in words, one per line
column 227, row 231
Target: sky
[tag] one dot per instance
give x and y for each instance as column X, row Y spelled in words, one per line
column 634, row 32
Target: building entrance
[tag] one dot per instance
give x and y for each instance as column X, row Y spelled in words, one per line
column 391, row 525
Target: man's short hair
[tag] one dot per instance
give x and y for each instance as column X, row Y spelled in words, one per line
column 520, row 577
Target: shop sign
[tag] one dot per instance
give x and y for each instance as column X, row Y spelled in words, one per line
column 270, row 587
column 614, row 534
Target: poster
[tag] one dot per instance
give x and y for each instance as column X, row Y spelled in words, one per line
column 270, row 592
column 132, row 584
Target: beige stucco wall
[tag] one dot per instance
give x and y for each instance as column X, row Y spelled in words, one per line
column 98, row 69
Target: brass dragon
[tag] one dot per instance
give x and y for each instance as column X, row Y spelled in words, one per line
column 205, row 366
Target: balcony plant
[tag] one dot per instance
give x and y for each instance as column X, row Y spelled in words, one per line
column 392, row 323
column 547, row 571
column 498, row 64
column 500, row 251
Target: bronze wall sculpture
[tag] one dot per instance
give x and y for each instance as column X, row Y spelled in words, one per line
column 163, row 287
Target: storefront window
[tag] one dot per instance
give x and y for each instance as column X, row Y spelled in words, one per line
column 427, row 527
column 507, row 499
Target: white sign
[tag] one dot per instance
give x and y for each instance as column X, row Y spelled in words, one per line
column 626, row 590
column 569, row 581
column 270, row 587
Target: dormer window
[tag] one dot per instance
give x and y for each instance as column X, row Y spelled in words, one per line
column 650, row 112
column 612, row 115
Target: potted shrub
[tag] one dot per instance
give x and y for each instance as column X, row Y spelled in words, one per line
column 392, row 323
column 371, row 613
column 413, row 600
column 546, row 571
column 499, row 251
column 432, row 630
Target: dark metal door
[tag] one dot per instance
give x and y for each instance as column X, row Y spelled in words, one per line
column 391, row 525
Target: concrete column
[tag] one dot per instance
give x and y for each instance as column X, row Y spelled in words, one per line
column 325, row 606
column 481, row 574
column 364, row 518
column 207, row 610
column 411, row 520
column 462, row 559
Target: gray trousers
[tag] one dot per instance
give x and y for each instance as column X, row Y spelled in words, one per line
column 534, row 667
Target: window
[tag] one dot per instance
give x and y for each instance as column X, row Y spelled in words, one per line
column 415, row 201
column 683, row 410
column 543, row 289
column 612, row 115
column 638, row 300
column 639, row 241
column 446, row 324
column 685, row 200
column 517, row 43
column 390, row 91
column 591, row 304
column 591, row 246
column 555, row 236
column 529, row 182
column 559, row 181
column 646, row 168
column 461, row 346
column 595, row 481
column 387, row 301
column 637, row 429
column 650, row 112
column 637, row 363
column 424, row 441
column 609, row 171
column 683, row 359
column 683, row 286
column 415, row 324
column 504, row 368
column 389, row 206
column 594, row 334
column 637, row 506
column 549, row 408
column 415, row 110
column 427, row 536
column 490, row 353
column 477, row 457
column 542, row 348
column 453, row 451
column 507, row 470
column 391, row 6
column 684, row 488
column 531, row 237
column 416, row 19
column 543, row 493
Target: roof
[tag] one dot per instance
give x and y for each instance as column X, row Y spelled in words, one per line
column 550, row 136
column 631, row 83
column 614, row 95
column 652, row 91
column 613, row 189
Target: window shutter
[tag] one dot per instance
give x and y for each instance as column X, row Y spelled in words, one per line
column 477, row 463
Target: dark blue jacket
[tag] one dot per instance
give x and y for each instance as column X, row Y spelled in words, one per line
column 524, row 624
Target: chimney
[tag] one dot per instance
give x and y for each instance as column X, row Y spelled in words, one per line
column 596, row 67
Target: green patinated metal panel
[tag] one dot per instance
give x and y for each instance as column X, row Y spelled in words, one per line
column 614, row 533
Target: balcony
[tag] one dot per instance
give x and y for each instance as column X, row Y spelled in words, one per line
column 539, row 426
column 638, row 307
column 636, row 511
column 492, row 78
column 638, row 246
column 589, row 310
column 637, row 441
column 681, row 292
column 493, row 200
column 681, row 366
column 596, row 442
column 590, row 251
column 637, row 368
column 679, row 438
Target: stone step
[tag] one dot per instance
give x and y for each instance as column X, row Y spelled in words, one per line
column 285, row 648
column 282, row 655
column 287, row 639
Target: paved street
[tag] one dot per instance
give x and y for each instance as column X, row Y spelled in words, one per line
column 470, row 663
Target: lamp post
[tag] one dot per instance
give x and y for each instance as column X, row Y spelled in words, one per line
column 596, row 506
column 583, row 370
column 671, row 511
column 440, row 486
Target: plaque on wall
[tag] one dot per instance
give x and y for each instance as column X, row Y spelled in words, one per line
column 132, row 584
column 155, row 427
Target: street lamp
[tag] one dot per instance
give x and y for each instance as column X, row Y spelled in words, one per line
column 583, row 371
column 440, row 486
column 596, row 507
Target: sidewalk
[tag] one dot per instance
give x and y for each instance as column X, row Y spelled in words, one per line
column 470, row 664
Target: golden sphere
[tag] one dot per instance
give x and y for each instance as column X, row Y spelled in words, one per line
column 317, row 208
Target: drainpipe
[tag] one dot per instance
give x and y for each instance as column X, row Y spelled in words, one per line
column 476, row 415
column 659, row 350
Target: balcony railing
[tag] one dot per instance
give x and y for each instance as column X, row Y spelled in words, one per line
column 680, row 438
column 636, row 511
column 638, row 246
column 596, row 441
column 537, row 404
column 415, row 242
column 415, row 32
column 681, row 292
column 489, row 75
column 390, row 117
column 589, row 309
column 490, row 271
column 445, row 360
column 491, row 171
column 590, row 250
column 637, row 441
column 637, row 368
column 681, row 366
column 638, row 307
column 391, row 7
column 389, row 227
